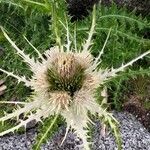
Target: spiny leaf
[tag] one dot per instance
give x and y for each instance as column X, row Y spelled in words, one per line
column 47, row 129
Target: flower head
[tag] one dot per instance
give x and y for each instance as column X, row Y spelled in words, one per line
column 64, row 83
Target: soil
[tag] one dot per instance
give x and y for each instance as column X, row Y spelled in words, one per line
column 135, row 107
column 137, row 99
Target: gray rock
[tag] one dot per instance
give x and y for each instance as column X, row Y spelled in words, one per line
column 135, row 137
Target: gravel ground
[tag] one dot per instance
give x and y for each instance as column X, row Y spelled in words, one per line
column 135, row 137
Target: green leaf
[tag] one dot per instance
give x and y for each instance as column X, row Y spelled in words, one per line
column 47, row 129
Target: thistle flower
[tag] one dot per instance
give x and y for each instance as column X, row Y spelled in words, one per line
column 64, row 83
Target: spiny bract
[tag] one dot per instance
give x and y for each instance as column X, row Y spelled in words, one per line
column 64, row 83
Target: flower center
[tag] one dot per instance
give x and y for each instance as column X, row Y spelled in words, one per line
column 65, row 74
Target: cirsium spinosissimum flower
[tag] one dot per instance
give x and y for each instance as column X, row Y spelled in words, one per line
column 64, row 83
